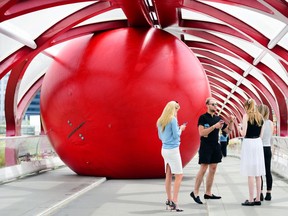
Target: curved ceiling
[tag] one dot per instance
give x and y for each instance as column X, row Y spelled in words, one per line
column 241, row 44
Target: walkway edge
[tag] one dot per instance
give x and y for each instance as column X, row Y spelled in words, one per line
column 53, row 208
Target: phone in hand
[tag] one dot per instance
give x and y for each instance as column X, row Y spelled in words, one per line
column 185, row 123
column 221, row 121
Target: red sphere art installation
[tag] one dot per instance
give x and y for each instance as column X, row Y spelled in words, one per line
column 102, row 96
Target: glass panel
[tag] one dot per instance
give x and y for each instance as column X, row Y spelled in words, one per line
column 225, row 82
column 193, row 15
column 268, row 26
column 275, row 66
column 241, row 92
column 247, row 83
column 238, row 90
column 116, row 14
column 259, row 76
column 42, row 19
column 284, row 42
column 39, row 65
column 8, row 46
column 239, row 62
column 35, row 70
column 189, row 37
column 26, row 149
column 246, row 46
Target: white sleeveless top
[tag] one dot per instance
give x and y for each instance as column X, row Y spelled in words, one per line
column 267, row 133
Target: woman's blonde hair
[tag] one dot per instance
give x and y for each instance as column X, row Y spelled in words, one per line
column 252, row 112
column 168, row 113
column 264, row 111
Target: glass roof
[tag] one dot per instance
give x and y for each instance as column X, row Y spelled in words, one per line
column 263, row 23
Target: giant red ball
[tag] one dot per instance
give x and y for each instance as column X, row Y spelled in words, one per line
column 103, row 94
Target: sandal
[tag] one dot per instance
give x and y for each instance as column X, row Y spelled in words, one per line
column 173, row 206
column 167, row 204
column 247, row 203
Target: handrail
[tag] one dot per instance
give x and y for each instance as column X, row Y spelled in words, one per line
column 23, row 155
column 279, row 147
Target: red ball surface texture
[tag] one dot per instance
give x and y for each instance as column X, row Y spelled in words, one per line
column 102, row 96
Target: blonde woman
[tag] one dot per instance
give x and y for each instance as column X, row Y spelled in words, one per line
column 252, row 156
column 169, row 133
column 266, row 139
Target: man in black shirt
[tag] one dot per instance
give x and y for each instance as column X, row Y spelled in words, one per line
column 210, row 153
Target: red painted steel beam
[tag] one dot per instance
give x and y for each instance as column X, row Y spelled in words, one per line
column 221, row 43
column 235, row 109
column 280, row 5
column 16, row 60
column 17, row 8
column 226, row 18
column 280, row 90
column 27, row 98
column 12, row 126
column 210, row 70
column 90, row 29
column 212, row 47
column 219, row 59
column 135, row 12
column 283, row 109
column 251, row 3
column 230, row 66
column 167, row 12
column 46, row 39
column 200, row 26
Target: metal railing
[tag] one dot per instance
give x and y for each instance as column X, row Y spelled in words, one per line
column 24, row 155
column 279, row 163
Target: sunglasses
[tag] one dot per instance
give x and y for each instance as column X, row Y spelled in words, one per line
column 213, row 104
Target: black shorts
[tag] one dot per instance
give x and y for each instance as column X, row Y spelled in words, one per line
column 209, row 153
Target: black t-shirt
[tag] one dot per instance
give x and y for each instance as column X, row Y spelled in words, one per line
column 207, row 120
column 253, row 130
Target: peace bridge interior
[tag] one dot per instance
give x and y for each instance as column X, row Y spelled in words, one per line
column 234, row 50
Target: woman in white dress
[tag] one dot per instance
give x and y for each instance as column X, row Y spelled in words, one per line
column 252, row 155
column 169, row 133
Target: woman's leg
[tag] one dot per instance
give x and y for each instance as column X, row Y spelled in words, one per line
column 258, row 187
column 251, row 188
column 168, row 182
column 177, row 183
column 269, row 179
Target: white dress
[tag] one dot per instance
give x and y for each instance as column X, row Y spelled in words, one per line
column 252, row 157
column 173, row 158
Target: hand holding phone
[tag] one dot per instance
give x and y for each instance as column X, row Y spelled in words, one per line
column 185, row 123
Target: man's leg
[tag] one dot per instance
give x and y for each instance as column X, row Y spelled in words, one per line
column 198, row 181
column 210, row 178
column 199, row 178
